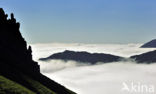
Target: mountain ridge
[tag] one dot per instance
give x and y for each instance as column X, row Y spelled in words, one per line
column 93, row 58
column 17, row 65
column 83, row 56
column 148, row 57
column 150, row 44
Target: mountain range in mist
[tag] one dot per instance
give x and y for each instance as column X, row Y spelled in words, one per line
column 93, row 58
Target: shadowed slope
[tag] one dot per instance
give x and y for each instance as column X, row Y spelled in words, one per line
column 16, row 61
column 149, row 57
column 84, row 57
column 151, row 44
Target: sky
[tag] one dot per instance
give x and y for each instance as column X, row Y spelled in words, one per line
column 84, row 21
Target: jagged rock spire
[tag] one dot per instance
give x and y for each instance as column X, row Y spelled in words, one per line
column 12, row 18
column 3, row 16
column 13, row 45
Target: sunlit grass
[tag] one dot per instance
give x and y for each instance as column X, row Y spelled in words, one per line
column 9, row 87
column 38, row 86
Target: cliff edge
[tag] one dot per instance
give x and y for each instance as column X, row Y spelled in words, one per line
column 19, row 73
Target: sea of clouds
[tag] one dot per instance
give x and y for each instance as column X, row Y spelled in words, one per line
column 108, row 78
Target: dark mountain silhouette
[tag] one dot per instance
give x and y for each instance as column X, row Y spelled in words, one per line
column 151, row 44
column 149, row 57
column 84, row 57
column 16, row 62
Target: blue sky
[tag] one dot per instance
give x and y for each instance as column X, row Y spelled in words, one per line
column 84, row 21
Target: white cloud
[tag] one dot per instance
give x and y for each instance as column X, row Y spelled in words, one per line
column 126, row 50
column 56, row 65
column 98, row 79
column 106, row 78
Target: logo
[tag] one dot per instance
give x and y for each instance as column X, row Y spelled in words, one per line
column 137, row 88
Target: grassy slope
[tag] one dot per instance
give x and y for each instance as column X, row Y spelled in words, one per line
column 10, row 87
column 10, row 79
column 39, row 87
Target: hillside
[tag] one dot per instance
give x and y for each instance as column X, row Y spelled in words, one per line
column 19, row 74
column 84, row 57
column 151, row 44
column 148, row 57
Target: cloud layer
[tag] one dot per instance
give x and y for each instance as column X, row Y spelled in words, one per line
column 98, row 79
column 106, row 78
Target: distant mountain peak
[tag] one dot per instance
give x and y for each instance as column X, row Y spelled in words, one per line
column 83, row 56
column 151, row 44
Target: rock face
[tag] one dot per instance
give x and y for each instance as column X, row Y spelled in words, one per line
column 149, row 57
column 16, row 61
column 151, row 44
column 83, row 57
column 13, row 47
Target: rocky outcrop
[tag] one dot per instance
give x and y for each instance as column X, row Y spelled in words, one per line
column 151, row 44
column 16, row 61
column 149, row 57
column 84, row 57
column 13, row 47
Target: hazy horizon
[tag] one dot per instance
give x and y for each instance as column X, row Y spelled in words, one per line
column 116, row 29
column 84, row 21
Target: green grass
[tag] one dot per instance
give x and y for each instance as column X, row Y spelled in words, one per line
column 9, row 87
column 38, row 86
